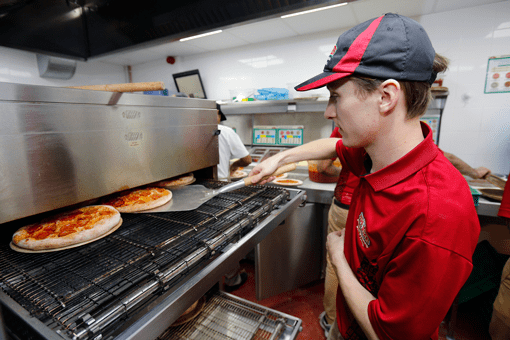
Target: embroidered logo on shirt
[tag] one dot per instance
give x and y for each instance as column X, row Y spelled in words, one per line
column 362, row 231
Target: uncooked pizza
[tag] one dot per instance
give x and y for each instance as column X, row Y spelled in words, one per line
column 287, row 181
column 139, row 199
column 67, row 229
column 239, row 174
column 176, row 181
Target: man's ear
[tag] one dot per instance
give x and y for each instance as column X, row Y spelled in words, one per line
column 390, row 94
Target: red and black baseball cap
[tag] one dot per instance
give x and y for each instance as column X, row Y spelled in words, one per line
column 389, row 47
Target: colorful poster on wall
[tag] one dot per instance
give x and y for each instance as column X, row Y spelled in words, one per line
column 498, row 75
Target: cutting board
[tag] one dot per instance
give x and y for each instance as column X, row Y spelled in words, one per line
column 127, row 87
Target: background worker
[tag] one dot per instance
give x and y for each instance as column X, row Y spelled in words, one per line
column 337, row 217
column 230, row 147
column 466, row 169
column 500, row 323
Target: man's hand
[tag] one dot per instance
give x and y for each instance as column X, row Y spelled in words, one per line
column 482, row 172
column 263, row 169
column 356, row 296
column 335, row 247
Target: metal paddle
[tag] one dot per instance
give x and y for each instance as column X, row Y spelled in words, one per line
column 191, row 197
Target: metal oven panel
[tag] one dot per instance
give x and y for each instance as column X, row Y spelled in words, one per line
column 59, row 147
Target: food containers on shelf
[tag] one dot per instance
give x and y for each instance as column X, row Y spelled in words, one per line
column 315, row 176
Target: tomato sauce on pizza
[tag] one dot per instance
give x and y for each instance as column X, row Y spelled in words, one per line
column 140, row 199
column 70, row 228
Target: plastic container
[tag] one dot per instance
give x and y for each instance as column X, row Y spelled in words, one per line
column 315, row 176
column 476, row 195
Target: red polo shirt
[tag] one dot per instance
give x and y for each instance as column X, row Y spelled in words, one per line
column 411, row 232
column 347, row 181
column 504, row 209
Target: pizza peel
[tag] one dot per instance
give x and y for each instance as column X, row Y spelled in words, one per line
column 191, row 197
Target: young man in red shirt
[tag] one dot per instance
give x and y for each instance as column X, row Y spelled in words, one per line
column 412, row 227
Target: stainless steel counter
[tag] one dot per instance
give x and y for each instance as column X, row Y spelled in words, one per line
column 318, row 192
column 487, row 208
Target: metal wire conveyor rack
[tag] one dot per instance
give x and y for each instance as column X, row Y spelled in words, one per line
column 87, row 292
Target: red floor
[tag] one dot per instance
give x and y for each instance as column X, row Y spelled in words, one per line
column 306, row 303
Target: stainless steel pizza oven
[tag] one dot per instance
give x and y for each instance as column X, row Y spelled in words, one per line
column 64, row 148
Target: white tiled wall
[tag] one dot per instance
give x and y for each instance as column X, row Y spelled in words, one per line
column 475, row 126
column 20, row 67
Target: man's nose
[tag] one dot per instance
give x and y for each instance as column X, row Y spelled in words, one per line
column 330, row 112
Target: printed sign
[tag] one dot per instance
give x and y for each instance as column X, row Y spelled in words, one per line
column 498, row 75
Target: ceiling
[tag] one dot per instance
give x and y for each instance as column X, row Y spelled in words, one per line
column 113, row 32
column 265, row 29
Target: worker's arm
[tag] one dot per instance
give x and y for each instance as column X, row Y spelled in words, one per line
column 327, row 168
column 319, row 149
column 356, row 296
column 466, row 169
column 241, row 162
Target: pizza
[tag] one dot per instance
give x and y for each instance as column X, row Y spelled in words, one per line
column 284, row 175
column 176, row 181
column 239, row 174
column 139, row 199
column 287, row 182
column 69, row 228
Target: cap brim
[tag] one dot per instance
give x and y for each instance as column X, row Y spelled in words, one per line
column 321, row 80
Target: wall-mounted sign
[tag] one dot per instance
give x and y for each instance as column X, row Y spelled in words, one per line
column 497, row 79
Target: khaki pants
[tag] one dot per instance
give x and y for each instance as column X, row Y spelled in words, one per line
column 334, row 333
column 336, row 221
column 500, row 323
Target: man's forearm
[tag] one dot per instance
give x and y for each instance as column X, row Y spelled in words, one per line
column 318, row 149
column 326, row 167
column 356, row 297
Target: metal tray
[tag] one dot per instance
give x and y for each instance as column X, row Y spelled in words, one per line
column 226, row 317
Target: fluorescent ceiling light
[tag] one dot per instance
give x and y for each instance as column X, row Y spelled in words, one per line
column 201, row 35
column 313, row 10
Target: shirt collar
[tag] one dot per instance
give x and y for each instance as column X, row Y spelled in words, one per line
column 409, row 164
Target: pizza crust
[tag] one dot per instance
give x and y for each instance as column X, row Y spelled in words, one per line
column 239, row 174
column 22, row 238
column 288, row 182
column 130, row 207
column 180, row 181
column 146, row 206
column 32, row 251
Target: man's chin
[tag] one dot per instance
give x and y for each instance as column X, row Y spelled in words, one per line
column 348, row 143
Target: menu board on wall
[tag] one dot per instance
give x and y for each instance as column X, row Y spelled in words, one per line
column 498, row 75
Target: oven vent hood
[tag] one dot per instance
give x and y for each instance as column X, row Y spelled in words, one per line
column 83, row 29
